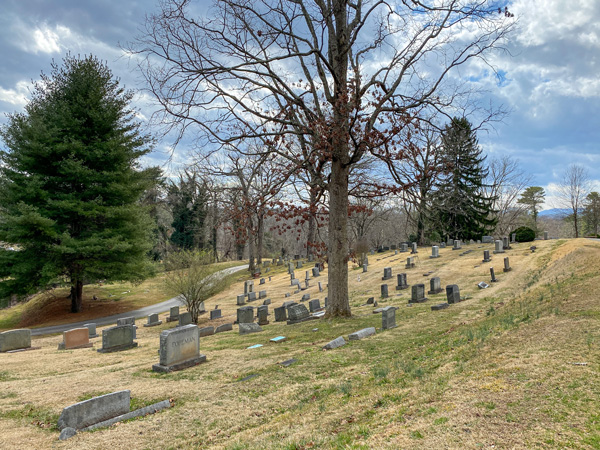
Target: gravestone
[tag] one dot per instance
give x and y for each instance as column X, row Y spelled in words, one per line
column 280, row 314
column 401, row 282
column 296, row 282
column 365, row 268
column 435, row 286
column 306, row 275
column 483, row 285
column 499, row 247
column 247, row 328
column 505, row 243
column 75, row 338
column 315, row 272
column 418, row 293
column 361, row 334
column 305, row 297
column 450, row 241
column 320, row 287
column 387, row 273
column 245, row 314
column 267, row 301
column 262, row 281
column 410, row 262
column 179, row 349
column 206, row 331
column 252, row 296
column 442, row 245
column 116, row 339
column 486, row 256
column 314, row 305
column 297, row 314
column 94, row 410
column 414, row 248
column 153, row 321
column 262, row 294
column 306, row 284
column 248, row 286
column 173, row 314
column 224, row 327
column 507, row 267
column 452, row 293
column 457, row 245
column 513, row 238
column 384, row 291
column 493, row 275
column 487, row 239
column 298, row 264
column 185, row 319
column 435, row 252
column 241, row 300
column 263, row 312
column 403, row 247
column 545, row 235
column 388, row 318
column 92, row 329
column 128, row 321
column 215, row 314
column 337, row 342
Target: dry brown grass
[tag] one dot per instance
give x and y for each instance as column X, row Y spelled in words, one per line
column 492, row 372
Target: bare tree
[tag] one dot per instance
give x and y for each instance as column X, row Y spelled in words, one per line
column 506, row 181
column 572, row 191
column 345, row 74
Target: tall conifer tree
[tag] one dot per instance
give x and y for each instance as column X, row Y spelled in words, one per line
column 464, row 211
column 70, row 184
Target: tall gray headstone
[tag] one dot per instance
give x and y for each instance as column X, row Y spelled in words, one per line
column 280, row 314
column 245, row 314
column 486, row 256
column 457, row 245
column 402, row 284
column 435, row 286
column 384, row 291
column 493, row 275
column 314, row 305
column 418, row 293
column 185, row 319
column 263, row 315
column 414, row 248
column 435, row 252
column 499, row 247
column 507, row 267
column 241, row 300
column 388, row 317
column 452, row 293
column 387, row 273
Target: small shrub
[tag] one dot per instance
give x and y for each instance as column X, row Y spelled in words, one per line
column 524, row 234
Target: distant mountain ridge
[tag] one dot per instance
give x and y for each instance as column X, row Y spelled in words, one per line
column 555, row 212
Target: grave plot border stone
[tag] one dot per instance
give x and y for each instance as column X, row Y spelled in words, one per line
column 247, row 328
column 439, row 307
column 223, row 328
column 361, row 334
column 337, row 342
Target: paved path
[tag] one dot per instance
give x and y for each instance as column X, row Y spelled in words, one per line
column 138, row 313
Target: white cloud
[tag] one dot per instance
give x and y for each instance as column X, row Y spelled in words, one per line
column 16, row 96
column 41, row 38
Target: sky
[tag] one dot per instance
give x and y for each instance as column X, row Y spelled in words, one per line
column 549, row 77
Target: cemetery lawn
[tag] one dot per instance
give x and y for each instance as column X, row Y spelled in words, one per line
column 513, row 366
column 53, row 307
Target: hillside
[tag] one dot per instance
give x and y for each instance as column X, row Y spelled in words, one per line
column 513, row 366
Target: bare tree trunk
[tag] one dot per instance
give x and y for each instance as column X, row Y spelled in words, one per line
column 338, row 242
column 312, row 224
column 251, row 247
column 215, row 225
column 259, row 239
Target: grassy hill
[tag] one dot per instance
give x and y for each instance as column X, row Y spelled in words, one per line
column 513, row 366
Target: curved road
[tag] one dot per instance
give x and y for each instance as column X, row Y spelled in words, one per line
column 138, row 313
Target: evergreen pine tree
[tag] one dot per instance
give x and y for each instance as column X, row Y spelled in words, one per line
column 189, row 205
column 464, row 211
column 70, row 185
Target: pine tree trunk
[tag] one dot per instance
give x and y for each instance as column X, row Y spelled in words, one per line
column 76, row 295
